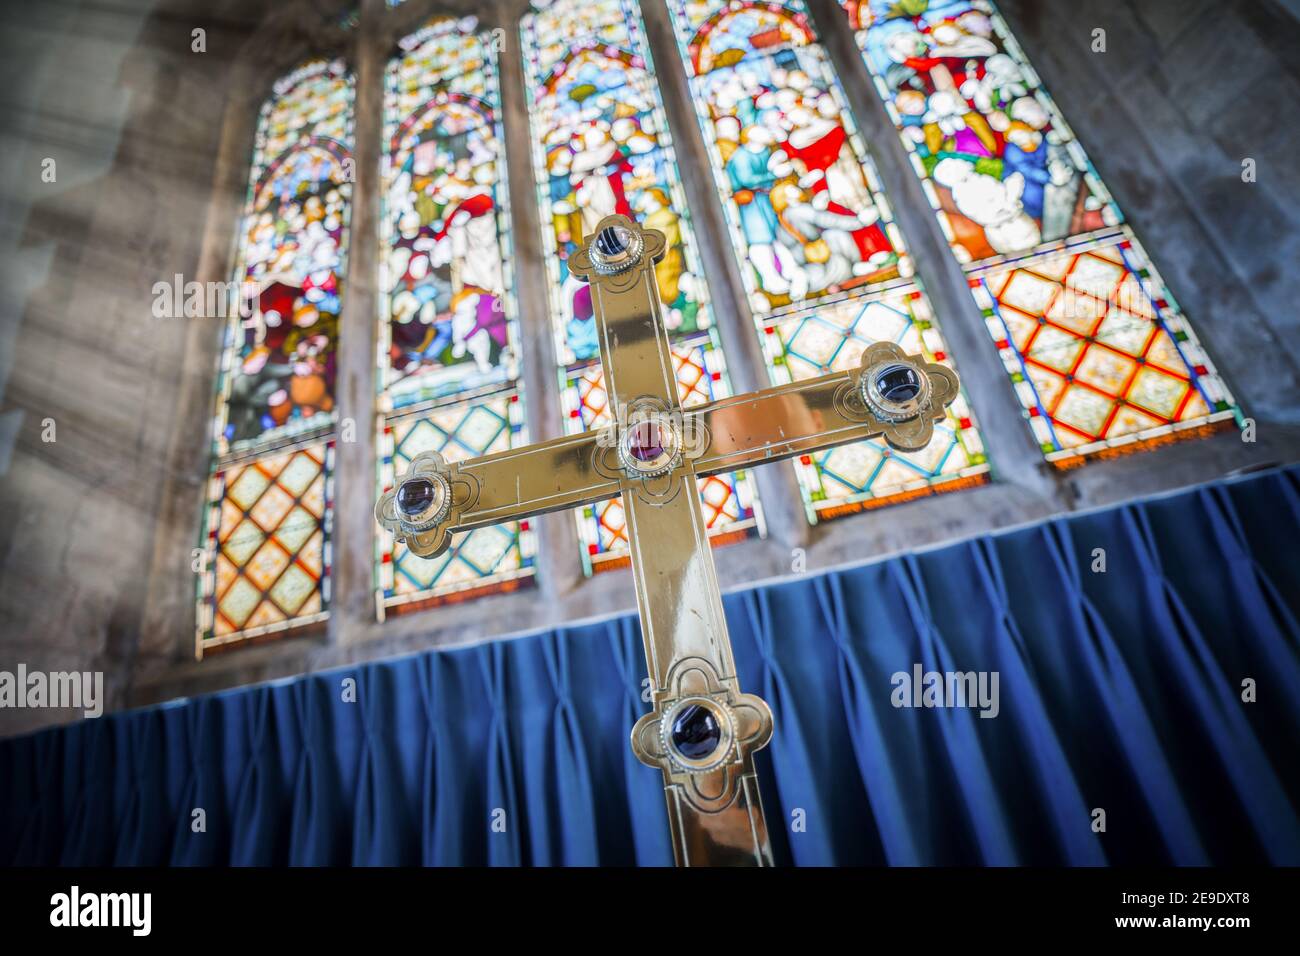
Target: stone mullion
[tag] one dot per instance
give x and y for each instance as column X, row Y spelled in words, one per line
column 352, row 603
column 559, row 567
column 778, row 488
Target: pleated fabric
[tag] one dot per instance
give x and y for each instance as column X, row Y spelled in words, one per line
column 1119, row 690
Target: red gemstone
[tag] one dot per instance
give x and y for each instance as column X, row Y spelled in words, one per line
column 645, row 441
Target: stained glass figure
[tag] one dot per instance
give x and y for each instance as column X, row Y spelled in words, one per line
column 279, row 365
column 1101, row 357
column 450, row 327
column 449, row 360
column 266, row 533
column 807, row 221
column 602, row 145
column 824, row 264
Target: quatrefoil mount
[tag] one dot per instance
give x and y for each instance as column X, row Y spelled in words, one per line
column 427, row 503
column 618, row 254
column 702, row 733
column 904, row 393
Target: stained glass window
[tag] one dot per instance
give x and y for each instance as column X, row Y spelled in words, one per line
column 1100, row 355
column 824, row 265
column 449, row 359
column 602, row 145
column 268, row 521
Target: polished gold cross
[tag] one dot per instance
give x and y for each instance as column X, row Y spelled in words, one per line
column 702, row 731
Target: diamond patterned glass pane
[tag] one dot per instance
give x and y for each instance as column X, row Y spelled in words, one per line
column 849, row 478
column 267, row 545
column 1100, row 355
column 487, row 559
column 824, row 263
column 1097, row 362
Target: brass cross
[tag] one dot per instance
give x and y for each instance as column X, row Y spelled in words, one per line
column 702, row 732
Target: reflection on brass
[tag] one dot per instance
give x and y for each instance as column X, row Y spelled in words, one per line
column 702, row 732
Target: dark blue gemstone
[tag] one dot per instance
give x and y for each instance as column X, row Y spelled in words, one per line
column 612, row 240
column 415, row 496
column 696, row 732
column 898, row 383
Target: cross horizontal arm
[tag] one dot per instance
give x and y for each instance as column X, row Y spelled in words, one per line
column 808, row 416
column 436, row 499
column 776, row 423
column 535, row 480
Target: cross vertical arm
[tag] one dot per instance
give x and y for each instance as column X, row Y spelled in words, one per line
column 703, row 731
